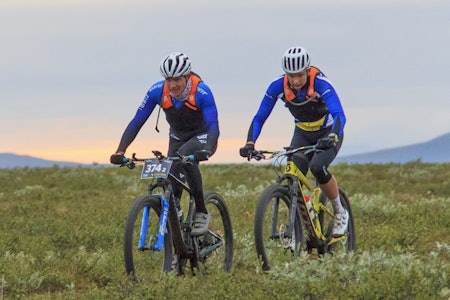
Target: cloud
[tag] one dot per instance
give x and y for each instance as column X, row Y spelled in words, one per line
column 74, row 72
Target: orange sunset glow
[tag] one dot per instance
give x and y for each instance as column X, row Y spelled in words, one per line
column 227, row 152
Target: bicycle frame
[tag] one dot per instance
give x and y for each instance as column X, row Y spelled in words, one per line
column 154, row 225
column 301, row 186
column 168, row 214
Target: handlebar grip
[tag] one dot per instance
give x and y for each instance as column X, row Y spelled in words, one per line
column 128, row 162
column 257, row 155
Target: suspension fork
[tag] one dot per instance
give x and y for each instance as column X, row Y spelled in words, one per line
column 273, row 227
column 162, row 223
column 168, row 214
column 293, row 182
column 157, row 246
column 293, row 208
column 144, row 226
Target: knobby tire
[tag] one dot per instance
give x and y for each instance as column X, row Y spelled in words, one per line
column 349, row 244
column 141, row 264
column 220, row 225
column 269, row 244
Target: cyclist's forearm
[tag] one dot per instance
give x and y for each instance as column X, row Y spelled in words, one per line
column 338, row 126
column 213, row 137
column 128, row 137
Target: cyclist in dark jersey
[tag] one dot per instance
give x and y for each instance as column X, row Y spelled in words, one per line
column 191, row 112
column 319, row 118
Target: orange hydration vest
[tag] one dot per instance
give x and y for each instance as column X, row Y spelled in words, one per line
column 166, row 101
column 311, row 112
column 289, row 94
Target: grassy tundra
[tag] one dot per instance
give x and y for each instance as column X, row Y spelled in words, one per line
column 62, row 230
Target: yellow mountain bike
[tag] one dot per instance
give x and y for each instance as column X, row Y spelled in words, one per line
column 292, row 215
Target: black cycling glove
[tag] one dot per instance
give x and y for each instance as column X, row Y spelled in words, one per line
column 247, row 150
column 117, row 158
column 327, row 142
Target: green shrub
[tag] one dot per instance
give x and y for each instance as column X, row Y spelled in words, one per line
column 62, row 231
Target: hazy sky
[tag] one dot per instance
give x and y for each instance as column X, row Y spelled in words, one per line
column 73, row 73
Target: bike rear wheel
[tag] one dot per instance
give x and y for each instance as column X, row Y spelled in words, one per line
column 348, row 243
column 273, row 246
column 215, row 248
column 142, row 263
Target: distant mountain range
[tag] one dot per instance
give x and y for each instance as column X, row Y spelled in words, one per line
column 10, row 160
column 436, row 150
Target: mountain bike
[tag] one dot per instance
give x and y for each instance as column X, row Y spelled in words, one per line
column 292, row 215
column 156, row 236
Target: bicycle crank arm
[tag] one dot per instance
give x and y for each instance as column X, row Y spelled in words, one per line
column 210, row 249
column 331, row 240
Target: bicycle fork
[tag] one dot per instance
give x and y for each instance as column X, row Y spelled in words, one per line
column 162, row 226
column 164, row 218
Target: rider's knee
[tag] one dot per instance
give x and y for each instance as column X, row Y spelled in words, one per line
column 320, row 172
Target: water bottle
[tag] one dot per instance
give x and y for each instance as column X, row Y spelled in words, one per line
column 309, row 206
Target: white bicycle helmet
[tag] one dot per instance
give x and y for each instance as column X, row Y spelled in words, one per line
column 295, row 60
column 175, row 65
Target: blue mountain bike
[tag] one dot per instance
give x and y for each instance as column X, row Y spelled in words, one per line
column 155, row 235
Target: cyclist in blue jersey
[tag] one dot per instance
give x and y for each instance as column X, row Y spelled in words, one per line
column 191, row 112
column 319, row 119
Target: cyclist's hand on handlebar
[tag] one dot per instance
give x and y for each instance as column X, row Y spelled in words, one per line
column 327, row 142
column 117, row 158
column 247, row 150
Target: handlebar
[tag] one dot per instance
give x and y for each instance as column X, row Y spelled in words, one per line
column 261, row 154
column 199, row 155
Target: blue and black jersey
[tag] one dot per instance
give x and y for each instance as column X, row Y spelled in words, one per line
column 309, row 115
column 184, row 122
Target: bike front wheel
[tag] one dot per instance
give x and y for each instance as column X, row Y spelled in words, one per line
column 141, row 233
column 215, row 248
column 273, row 243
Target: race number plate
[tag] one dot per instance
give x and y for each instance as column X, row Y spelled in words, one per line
column 154, row 168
